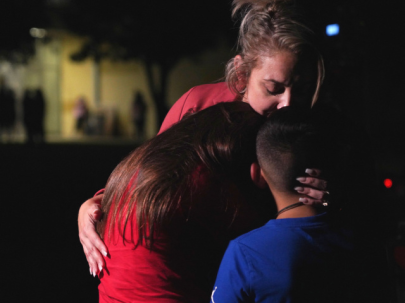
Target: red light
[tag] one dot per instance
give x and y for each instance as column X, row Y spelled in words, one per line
column 399, row 256
column 388, row 183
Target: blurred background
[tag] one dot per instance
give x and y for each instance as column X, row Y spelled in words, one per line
column 83, row 82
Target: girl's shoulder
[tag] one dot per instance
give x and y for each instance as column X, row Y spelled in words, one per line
column 196, row 99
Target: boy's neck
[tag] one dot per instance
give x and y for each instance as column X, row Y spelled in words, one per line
column 285, row 199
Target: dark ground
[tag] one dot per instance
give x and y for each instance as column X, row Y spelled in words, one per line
column 42, row 188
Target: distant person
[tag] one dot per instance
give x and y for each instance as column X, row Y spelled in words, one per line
column 7, row 111
column 34, row 114
column 304, row 254
column 81, row 114
column 138, row 115
column 40, row 121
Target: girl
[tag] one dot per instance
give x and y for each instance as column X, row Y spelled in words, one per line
column 174, row 204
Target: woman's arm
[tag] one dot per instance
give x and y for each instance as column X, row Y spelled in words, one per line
column 93, row 246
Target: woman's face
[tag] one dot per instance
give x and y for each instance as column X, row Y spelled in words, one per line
column 278, row 81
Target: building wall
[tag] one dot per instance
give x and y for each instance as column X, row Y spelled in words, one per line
column 120, row 81
column 76, row 81
column 108, row 88
column 208, row 67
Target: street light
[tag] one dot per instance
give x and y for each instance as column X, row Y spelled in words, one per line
column 38, row 32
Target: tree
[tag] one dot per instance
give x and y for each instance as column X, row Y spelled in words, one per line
column 17, row 17
column 159, row 33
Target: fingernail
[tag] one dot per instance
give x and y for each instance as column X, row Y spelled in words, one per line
column 303, row 200
column 94, row 274
column 299, row 189
column 90, row 271
column 309, row 171
column 100, row 268
column 104, row 253
column 301, row 179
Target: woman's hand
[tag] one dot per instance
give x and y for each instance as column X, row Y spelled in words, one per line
column 316, row 193
column 93, row 246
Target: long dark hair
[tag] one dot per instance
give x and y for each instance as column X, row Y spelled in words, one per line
column 162, row 176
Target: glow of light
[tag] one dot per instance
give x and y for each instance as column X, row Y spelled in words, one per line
column 399, row 255
column 332, row 29
column 37, row 32
column 388, row 183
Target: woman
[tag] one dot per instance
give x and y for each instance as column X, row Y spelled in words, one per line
column 173, row 205
column 277, row 66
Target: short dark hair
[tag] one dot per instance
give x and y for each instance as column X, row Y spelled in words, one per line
column 294, row 139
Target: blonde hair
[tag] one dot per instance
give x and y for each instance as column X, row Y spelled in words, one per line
column 267, row 27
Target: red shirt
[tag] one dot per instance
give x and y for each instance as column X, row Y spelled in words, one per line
column 196, row 99
column 186, row 255
column 137, row 274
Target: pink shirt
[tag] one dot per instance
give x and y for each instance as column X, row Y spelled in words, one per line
column 196, row 99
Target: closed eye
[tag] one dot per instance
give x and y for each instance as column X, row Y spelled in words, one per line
column 276, row 92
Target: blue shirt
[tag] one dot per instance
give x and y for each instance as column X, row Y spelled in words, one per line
column 288, row 260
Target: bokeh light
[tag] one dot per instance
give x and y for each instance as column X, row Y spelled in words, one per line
column 332, row 29
column 388, row 183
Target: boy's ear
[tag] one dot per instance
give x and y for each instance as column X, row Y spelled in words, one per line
column 256, row 175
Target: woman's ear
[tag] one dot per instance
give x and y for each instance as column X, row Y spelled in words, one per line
column 257, row 176
column 237, row 62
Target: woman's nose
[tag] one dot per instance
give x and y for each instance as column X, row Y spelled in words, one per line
column 285, row 99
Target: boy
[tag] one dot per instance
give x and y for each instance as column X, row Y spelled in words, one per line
column 304, row 255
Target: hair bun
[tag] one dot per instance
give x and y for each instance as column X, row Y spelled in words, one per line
column 267, row 27
column 267, row 6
